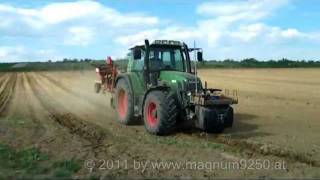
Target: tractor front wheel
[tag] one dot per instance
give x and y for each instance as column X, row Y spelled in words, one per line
column 159, row 112
column 124, row 102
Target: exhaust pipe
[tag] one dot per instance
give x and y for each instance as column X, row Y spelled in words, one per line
column 146, row 62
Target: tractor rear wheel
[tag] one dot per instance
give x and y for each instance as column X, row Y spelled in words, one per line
column 159, row 112
column 124, row 102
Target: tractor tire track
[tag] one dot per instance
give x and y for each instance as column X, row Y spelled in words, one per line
column 88, row 131
column 86, row 103
column 3, row 78
column 7, row 93
column 25, row 87
column 25, row 90
column 69, row 91
column 3, row 82
column 21, row 119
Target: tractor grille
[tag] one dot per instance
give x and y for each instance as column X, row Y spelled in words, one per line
column 192, row 85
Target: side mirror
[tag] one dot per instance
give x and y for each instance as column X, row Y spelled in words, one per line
column 199, row 56
column 136, row 53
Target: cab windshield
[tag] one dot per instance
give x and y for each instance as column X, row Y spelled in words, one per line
column 171, row 59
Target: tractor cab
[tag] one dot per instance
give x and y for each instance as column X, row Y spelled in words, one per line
column 162, row 55
column 162, row 59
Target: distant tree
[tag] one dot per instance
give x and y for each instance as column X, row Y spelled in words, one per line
column 228, row 60
column 250, row 60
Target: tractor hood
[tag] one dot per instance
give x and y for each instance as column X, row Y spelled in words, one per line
column 181, row 80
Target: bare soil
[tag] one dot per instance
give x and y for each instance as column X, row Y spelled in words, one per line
column 277, row 120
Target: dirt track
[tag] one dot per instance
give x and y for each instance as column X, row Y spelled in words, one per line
column 277, row 119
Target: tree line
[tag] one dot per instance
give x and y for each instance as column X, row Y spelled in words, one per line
column 254, row 63
column 83, row 64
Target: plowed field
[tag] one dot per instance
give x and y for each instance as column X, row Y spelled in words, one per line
column 277, row 120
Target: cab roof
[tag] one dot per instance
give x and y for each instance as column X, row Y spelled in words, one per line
column 161, row 43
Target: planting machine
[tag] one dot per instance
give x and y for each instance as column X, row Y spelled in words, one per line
column 161, row 87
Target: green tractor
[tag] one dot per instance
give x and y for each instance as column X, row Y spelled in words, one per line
column 161, row 87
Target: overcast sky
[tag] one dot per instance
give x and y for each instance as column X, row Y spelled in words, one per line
column 264, row 29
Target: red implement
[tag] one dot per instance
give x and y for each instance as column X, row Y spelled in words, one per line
column 107, row 74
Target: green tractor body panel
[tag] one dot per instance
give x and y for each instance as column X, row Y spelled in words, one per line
column 175, row 77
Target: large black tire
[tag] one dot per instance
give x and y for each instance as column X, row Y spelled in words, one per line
column 229, row 119
column 159, row 112
column 124, row 102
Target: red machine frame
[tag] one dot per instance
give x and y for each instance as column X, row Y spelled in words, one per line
column 107, row 74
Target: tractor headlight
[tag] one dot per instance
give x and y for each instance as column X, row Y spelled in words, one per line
column 188, row 93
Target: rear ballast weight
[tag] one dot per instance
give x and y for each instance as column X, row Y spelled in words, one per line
column 213, row 110
column 160, row 87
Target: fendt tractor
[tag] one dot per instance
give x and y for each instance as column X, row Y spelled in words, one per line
column 161, row 87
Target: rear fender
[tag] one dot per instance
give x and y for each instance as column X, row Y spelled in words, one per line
column 123, row 76
column 138, row 89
